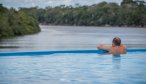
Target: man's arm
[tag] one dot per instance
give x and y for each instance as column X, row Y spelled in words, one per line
column 125, row 49
column 104, row 47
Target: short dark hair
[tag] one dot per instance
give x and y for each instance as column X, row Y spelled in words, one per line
column 117, row 41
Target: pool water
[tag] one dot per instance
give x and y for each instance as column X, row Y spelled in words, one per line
column 74, row 69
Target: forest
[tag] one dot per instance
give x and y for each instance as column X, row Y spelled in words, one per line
column 128, row 13
column 15, row 23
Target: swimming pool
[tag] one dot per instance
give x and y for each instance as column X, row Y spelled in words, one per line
column 71, row 68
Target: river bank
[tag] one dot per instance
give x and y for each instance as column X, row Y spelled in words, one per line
column 126, row 26
column 16, row 23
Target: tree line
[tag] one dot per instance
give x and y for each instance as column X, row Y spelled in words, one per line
column 26, row 20
column 129, row 13
column 14, row 23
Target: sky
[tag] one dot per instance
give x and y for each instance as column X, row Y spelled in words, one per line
column 44, row 3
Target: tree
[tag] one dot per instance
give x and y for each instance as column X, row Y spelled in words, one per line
column 127, row 2
column 129, row 13
column 15, row 23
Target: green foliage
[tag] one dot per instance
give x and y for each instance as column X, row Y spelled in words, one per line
column 129, row 13
column 14, row 23
column 128, row 2
column 25, row 21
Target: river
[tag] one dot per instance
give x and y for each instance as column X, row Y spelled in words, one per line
column 74, row 38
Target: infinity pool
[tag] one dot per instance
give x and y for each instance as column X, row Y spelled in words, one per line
column 74, row 69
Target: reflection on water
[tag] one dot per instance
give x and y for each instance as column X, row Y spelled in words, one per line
column 116, row 61
column 72, row 37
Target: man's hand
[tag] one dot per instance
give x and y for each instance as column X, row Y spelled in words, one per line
column 99, row 47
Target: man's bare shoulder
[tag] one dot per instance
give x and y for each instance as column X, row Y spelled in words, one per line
column 124, row 46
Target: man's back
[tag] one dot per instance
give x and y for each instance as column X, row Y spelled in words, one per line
column 118, row 49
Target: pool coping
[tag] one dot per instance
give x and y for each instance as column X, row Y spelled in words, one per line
column 34, row 53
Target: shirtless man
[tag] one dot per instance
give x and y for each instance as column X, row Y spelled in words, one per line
column 116, row 48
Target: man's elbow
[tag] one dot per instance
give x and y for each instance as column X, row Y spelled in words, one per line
column 125, row 51
column 99, row 47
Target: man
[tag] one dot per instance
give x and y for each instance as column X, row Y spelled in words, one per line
column 116, row 48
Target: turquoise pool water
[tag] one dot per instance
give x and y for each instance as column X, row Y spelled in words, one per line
column 74, row 69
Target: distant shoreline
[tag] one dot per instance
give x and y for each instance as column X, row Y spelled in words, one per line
column 92, row 26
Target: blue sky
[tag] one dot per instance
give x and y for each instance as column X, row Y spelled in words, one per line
column 44, row 3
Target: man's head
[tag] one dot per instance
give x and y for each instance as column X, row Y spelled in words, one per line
column 116, row 41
